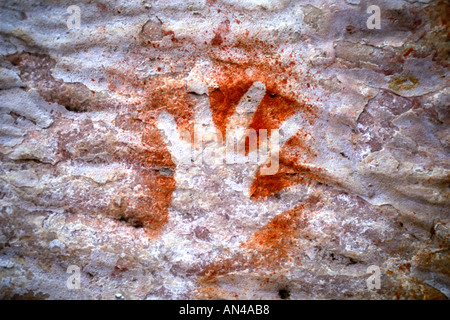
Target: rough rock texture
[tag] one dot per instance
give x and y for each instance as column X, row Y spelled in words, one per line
column 90, row 148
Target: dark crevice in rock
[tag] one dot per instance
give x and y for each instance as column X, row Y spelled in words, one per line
column 284, row 294
column 131, row 222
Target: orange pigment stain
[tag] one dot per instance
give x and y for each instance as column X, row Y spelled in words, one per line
column 151, row 96
column 235, row 79
column 232, row 80
column 267, row 249
column 229, row 79
column 221, row 32
column 293, row 169
column 271, row 244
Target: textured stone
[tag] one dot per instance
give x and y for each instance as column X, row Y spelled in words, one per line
column 97, row 131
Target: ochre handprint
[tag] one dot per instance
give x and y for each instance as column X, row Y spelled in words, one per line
column 215, row 184
column 225, row 84
column 212, row 162
column 222, row 206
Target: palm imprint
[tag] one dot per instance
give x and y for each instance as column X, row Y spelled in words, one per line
column 214, row 177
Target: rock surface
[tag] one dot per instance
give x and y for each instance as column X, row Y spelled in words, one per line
column 91, row 150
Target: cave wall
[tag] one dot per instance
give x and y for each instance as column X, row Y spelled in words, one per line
column 101, row 103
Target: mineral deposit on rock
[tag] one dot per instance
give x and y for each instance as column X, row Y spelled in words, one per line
column 107, row 192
